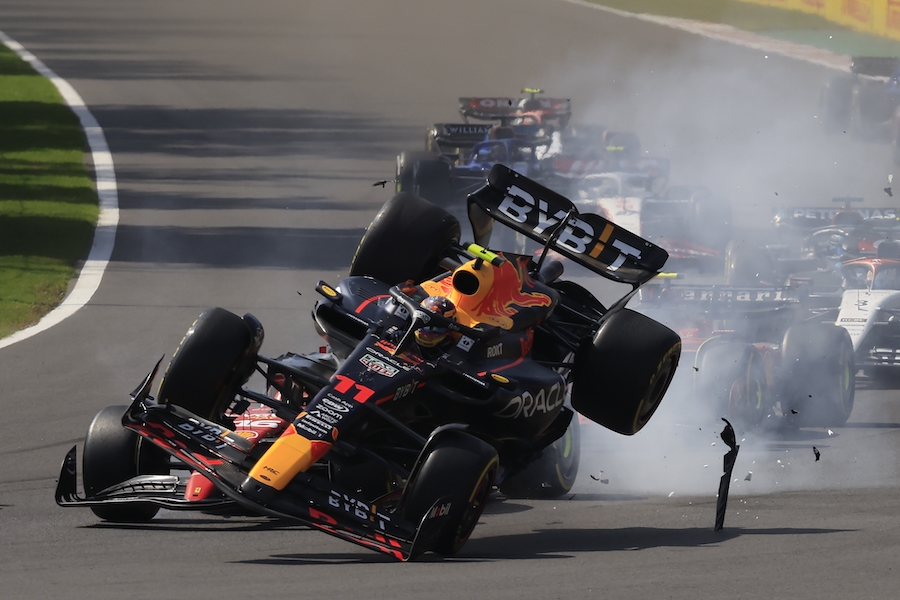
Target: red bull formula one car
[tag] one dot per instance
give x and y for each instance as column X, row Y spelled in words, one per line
column 452, row 371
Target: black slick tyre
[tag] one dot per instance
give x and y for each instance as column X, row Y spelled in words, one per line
column 553, row 474
column 818, row 373
column 621, row 377
column 113, row 454
column 731, row 376
column 215, row 357
column 460, row 468
column 406, row 240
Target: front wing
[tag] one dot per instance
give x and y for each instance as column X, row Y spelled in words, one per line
column 222, row 457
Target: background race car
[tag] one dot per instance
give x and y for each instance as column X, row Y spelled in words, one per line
column 688, row 221
column 812, row 242
column 758, row 356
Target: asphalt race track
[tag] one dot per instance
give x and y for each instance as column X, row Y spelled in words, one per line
column 246, row 137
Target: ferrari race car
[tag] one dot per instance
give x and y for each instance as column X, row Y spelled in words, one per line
column 692, row 225
column 762, row 356
column 453, row 370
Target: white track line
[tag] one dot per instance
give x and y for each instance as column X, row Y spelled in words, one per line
column 105, row 234
column 732, row 35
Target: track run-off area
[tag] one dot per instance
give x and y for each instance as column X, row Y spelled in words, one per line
column 246, row 138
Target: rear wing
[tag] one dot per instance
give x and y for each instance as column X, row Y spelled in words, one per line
column 492, row 108
column 460, row 135
column 588, row 239
column 718, row 301
column 572, row 167
column 813, row 217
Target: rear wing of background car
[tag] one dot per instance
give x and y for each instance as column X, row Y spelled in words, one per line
column 813, row 217
column 718, row 301
column 573, row 167
column 588, row 239
column 491, row 108
column 459, row 135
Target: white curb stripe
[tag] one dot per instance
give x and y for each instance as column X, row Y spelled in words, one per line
column 738, row 37
column 105, row 234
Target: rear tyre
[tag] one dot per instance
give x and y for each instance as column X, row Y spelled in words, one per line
column 554, row 473
column 113, row 454
column 216, row 357
column 748, row 266
column 818, row 373
column 406, row 240
column 621, row 377
column 732, row 376
column 462, row 468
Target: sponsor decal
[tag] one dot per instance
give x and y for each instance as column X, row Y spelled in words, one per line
column 378, row 366
column 737, row 295
column 359, row 509
column 405, row 390
column 335, row 404
column 467, row 129
column 441, row 510
column 465, row 343
column 578, row 236
column 495, row 350
column 526, row 405
column 827, row 213
column 852, row 320
column 204, row 432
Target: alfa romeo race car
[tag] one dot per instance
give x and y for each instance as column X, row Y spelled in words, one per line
column 453, row 370
column 692, row 225
column 761, row 356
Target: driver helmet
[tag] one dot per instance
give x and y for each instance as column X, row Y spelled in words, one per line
column 432, row 335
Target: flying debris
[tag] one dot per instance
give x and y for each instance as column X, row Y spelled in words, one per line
column 817, row 453
column 729, row 438
column 888, row 191
column 830, row 432
column 383, row 182
column 749, row 476
column 793, row 412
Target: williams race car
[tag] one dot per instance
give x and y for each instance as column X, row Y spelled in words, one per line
column 451, row 372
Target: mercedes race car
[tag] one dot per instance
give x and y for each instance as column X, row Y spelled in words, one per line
column 761, row 356
column 452, row 370
column 809, row 239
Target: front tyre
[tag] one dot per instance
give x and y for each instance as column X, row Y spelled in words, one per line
column 461, row 469
column 113, row 454
column 215, row 357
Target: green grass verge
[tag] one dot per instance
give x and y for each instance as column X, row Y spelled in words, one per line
column 750, row 17
column 48, row 203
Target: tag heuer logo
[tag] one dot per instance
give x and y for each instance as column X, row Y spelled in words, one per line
column 378, row 366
